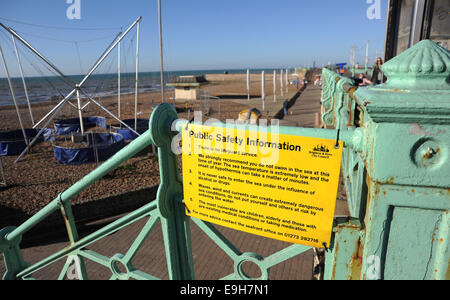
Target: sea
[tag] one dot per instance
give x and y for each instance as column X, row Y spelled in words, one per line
column 53, row 88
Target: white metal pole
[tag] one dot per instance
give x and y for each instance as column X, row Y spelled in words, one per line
column 70, row 82
column 136, row 98
column 281, row 82
column 118, row 81
column 80, row 113
column 161, row 50
column 13, row 95
column 287, row 81
column 105, row 54
column 23, row 78
column 110, row 113
column 351, row 57
column 263, row 89
column 58, row 107
column 109, row 51
column 263, row 85
column 248, row 84
column 55, row 108
column 274, row 86
column 367, row 56
column 354, row 62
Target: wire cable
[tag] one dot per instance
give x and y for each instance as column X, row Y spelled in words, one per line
column 79, row 57
column 58, row 27
column 36, row 68
column 65, row 41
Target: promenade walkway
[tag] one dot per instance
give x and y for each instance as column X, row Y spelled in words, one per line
column 306, row 110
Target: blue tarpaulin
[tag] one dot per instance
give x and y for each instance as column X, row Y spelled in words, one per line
column 142, row 126
column 104, row 145
column 13, row 142
column 65, row 127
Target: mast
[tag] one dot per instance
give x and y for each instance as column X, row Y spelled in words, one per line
column 23, row 78
column 161, row 50
column 13, row 95
column 136, row 97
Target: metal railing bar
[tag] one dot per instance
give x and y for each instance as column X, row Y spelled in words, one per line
column 64, row 270
column 132, row 149
column 134, row 248
column 218, row 238
column 105, row 261
column 42, row 264
column 139, row 275
column 81, row 270
column 117, row 225
column 94, row 256
column 231, row 276
column 86, row 241
column 284, row 255
column 66, row 211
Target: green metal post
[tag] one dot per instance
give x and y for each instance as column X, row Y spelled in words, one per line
column 405, row 127
column 175, row 223
column 11, row 254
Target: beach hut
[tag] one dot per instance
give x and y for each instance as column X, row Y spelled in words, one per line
column 188, row 87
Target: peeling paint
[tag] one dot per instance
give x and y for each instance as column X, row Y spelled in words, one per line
column 416, row 129
column 390, row 180
column 356, row 261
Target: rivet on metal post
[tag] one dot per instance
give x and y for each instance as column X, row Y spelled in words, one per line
column 431, row 151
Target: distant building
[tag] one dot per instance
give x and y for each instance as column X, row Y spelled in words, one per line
column 188, row 87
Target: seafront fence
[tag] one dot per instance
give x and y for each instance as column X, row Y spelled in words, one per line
column 395, row 167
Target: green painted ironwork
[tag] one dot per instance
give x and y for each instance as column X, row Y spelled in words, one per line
column 341, row 113
column 168, row 209
column 395, row 168
column 398, row 184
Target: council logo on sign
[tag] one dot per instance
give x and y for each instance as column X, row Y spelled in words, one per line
column 321, row 148
column 321, row 151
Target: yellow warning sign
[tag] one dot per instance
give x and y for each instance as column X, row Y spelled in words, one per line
column 278, row 186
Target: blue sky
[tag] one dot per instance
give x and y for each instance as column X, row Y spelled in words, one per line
column 200, row 34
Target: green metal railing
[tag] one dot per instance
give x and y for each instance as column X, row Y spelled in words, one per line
column 10, row 237
column 397, row 179
column 396, row 172
column 343, row 114
column 168, row 208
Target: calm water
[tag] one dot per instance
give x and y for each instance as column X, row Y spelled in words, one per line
column 42, row 89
